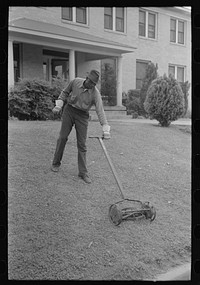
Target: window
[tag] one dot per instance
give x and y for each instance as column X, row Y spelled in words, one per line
column 177, row 31
column 151, row 26
column 81, row 15
column 178, row 72
column 141, row 67
column 67, row 13
column 147, row 24
column 120, row 19
column 16, row 55
column 75, row 14
column 45, row 73
column 180, row 32
column 142, row 23
column 172, row 70
column 173, row 31
column 114, row 19
column 108, row 18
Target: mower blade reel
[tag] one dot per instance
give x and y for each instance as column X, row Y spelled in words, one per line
column 115, row 215
column 138, row 210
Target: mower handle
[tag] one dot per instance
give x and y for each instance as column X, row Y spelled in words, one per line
column 96, row 137
column 100, row 139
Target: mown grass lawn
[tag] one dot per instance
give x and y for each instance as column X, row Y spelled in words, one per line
column 58, row 226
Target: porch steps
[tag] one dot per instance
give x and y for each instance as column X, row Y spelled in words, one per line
column 112, row 112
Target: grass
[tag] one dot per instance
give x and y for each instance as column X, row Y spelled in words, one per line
column 59, row 227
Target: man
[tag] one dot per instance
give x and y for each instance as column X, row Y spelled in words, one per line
column 79, row 95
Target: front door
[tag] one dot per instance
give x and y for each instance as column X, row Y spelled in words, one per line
column 60, row 68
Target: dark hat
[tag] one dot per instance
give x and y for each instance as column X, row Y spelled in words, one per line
column 94, row 76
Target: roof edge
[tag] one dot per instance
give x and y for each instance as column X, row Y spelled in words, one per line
column 96, row 38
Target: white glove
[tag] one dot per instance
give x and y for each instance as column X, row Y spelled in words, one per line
column 56, row 110
column 59, row 103
column 58, row 107
column 106, row 131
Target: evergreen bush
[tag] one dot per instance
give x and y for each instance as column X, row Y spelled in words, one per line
column 185, row 88
column 165, row 100
column 150, row 75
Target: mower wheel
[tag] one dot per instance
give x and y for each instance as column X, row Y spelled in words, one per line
column 115, row 215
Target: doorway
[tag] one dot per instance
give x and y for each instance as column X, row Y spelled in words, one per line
column 55, row 64
column 60, row 68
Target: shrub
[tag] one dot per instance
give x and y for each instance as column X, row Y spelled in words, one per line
column 133, row 93
column 57, row 85
column 150, row 75
column 33, row 99
column 134, row 115
column 165, row 100
column 133, row 106
column 133, row 102
column 185, row 86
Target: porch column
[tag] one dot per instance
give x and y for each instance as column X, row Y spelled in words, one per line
column 10, row 65
column 119, row 81
column 71, row 64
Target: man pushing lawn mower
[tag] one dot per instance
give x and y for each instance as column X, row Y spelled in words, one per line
column 76, row 100
column 80, row 95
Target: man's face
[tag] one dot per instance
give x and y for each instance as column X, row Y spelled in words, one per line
column 89, row 84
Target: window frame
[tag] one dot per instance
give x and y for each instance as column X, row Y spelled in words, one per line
column 114, row 22
column 177, row 31
column 74, row 16
column 146, row 27
column 176, row 66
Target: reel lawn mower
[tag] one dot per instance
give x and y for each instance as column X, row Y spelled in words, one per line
column 126, row 209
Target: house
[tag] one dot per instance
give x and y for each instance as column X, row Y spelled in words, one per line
column 70, row 41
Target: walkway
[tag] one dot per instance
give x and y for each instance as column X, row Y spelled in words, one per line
column 128, row 119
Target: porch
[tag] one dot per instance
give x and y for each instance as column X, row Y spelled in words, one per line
column 45, row 50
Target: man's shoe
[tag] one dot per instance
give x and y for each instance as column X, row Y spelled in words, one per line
column 85, row 177
column 55, row 168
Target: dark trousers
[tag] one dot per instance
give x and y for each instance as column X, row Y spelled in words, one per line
column 70, row 117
